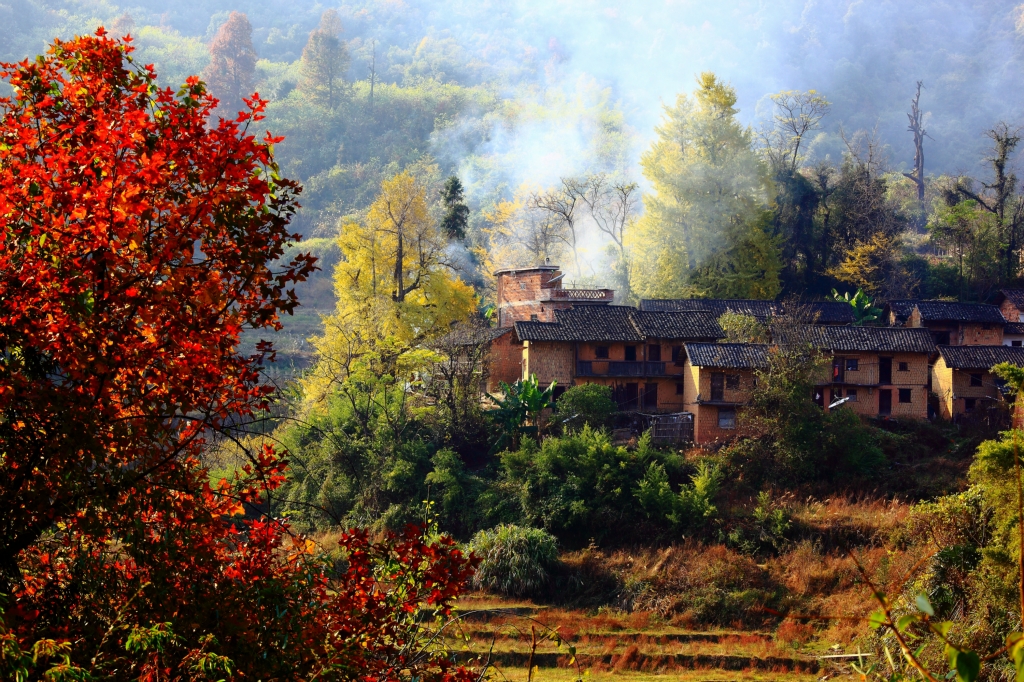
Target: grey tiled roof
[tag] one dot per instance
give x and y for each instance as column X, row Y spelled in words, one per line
column 471, row 335
column 620, row 323
column 980, row 357
column 665, row 325
column 877, row 339
column 826, row 312
column 728, row 355
column 1014, row 296
column 1014, row 328
column 948, row 311
column 762, row 310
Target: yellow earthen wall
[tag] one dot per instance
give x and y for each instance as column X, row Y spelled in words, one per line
column 954, row 385
column 550, row 361
column 915, row 378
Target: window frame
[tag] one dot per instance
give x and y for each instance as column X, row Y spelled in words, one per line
column 905, row 392
column 852, row 364
column 903, row 366
column 732, row 382
column 601, row 352
column 977, row 380
column 730, row 423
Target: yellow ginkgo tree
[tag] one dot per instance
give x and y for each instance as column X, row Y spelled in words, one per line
column 395, row 286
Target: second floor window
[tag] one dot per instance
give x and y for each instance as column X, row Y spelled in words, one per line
column 654, row 353
column 717, row 386
column 732, row 382
column 601, row 352
column 903, row 367
column 905, row 395
column 976, row 380
column 630, row 353
column 852, row 364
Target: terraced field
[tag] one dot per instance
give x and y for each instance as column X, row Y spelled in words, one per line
column 511, row 638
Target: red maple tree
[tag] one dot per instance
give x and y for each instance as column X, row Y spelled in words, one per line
column 137, row 242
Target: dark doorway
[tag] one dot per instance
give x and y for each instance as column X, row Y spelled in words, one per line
column 630, row 353
column 885, row 370
column 839, row 370
column 717, row 386
column 650, row 396
column 885, row 401
column 632, row 392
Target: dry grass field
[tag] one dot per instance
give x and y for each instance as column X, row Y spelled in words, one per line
column 703, row 612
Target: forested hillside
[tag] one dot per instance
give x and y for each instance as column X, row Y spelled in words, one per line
column 515, row 97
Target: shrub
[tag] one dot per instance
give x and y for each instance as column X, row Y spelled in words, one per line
column 587, row 404
column 581, row 486
column 514, row 560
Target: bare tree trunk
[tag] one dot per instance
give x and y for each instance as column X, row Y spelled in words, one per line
column 917, row 127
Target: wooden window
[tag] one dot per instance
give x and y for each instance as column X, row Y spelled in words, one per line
column 679, row 389
column 851, row 393
column 903, row 367
column 677, row 351
column 976, row 380
column 732, row 382
column 717, row 386
column 654, row 353
column 726, row 418
column 601, row 352
column 534, row 318
column 905, row 395
column 630, row 353
column 852, row 364
column 1016, row 343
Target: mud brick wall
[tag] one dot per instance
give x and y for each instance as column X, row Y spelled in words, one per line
column 550, row 361
column 504, row 361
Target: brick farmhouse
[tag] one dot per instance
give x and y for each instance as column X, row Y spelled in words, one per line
column 666, row 355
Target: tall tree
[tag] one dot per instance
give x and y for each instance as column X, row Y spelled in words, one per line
column 396, row 280
column 782, row 144
column 612, row 206
column 232, row 69
column 562, row 204
column 137, row 242
column 456, row 212
column 1000, row 197
column 708, row 186
column 796, row 114
column 325, row 61
column 916, row 118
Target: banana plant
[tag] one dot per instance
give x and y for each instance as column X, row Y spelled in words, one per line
column 864, row 312
column 519, row 410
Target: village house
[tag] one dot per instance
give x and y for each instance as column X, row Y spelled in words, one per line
column 536, row 293
column 639, row 354
column 1010, row 303
column 962, row 379
column 950, row 323
column 718, row 380
column 876, row 371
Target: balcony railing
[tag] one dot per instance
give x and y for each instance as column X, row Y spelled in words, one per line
column 580, row 295
column 611, row 368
